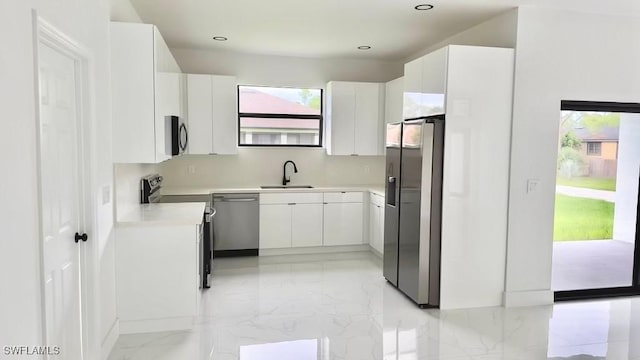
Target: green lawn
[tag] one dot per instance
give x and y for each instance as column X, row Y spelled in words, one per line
column 582, row 219
column 588, row 182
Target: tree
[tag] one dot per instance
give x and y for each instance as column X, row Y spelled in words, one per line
column 309, row 99
column 570, row 140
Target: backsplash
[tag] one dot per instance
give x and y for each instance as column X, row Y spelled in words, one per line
column 263, row 166
column 127, row 185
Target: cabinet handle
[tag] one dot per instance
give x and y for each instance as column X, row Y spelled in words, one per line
column 292, row 203
column 326, row 203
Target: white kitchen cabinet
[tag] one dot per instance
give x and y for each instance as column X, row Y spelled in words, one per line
column 200, row 113
column 158, row 276
column 425, row 85
column 393, row 93
column 343, row 220
column 354, row 116
column 376, row 223
column 275, row 226
column 290, row 220
column 212, row 114
column 146, row 88
column 343, row 224
column 475, row 86
column 306, row 225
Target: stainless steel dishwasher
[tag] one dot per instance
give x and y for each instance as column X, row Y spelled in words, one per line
column 236, row 226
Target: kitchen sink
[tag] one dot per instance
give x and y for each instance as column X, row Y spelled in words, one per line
column 286, row 187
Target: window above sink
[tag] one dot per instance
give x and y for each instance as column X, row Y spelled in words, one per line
column 277, row 116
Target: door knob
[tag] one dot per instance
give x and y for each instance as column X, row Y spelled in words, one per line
column 82, row 237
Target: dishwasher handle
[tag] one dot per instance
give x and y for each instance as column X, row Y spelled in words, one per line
column 224, row 199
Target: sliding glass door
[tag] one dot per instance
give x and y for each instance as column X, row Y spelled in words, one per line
column 596, row 246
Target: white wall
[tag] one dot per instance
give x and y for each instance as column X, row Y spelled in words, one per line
column 256, row 166
column 624, row 223
column 127, row 184
column 252, row 69
column 123, row 10
column 560, row 55
column 86, row 22
column 499, row 31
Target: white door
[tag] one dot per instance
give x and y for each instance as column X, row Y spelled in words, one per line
column 275, row 226
column 224, row 92
column 306, row 225
column 343, row 224
column 343, row 110
column 200, row 110
column 61, row 199
column 367, row 119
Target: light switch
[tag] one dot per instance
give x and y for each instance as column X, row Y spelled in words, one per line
column 106, row 194
column 532, row 185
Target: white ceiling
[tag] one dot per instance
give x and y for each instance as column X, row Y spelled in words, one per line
column 334, row 28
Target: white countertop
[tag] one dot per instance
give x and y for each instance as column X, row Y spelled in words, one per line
column 165, row 214
column 377, row 189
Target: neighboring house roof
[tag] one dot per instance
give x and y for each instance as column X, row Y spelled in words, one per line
column 606, row 133
column 254, row 101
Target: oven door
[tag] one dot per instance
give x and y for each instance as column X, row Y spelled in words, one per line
column 206, row 248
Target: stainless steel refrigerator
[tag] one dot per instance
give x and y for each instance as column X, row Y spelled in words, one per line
column 413, row 207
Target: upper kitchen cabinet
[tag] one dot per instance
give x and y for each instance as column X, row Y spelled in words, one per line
column 354, row 117
column 212, row 107
column 425, row 85
column 393, row 92
column 147, row 87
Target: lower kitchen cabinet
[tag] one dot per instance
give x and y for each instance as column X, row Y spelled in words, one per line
column 306, row 225
column 275, row 226
column 343, row 224
column 376, row 226
column 290, row 225
column 157, row 277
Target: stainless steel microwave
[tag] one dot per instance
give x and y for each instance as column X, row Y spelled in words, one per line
column 177, row 135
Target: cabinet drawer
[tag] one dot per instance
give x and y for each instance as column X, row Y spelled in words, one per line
column 287, row 198
column 344, row 197
column 376, row 199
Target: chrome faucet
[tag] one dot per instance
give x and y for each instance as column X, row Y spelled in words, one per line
column 286, row 180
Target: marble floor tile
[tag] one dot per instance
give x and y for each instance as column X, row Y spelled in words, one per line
column 334, row 307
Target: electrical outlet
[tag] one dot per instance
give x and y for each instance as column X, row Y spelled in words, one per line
column 191, row 169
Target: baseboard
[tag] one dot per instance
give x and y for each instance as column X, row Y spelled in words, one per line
column 314, row 250
column 156, row 325
column 528, row 298
column 110, row 340
column 375, row 252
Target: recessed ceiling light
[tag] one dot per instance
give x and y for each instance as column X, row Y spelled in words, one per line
column 364, row 47
column 220, row 38
column 423, row 7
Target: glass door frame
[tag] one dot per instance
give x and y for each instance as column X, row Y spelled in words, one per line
column 634, row 288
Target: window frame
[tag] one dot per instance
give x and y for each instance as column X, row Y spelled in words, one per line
column 606, row 292
column 590, row 148
column 282, row 116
